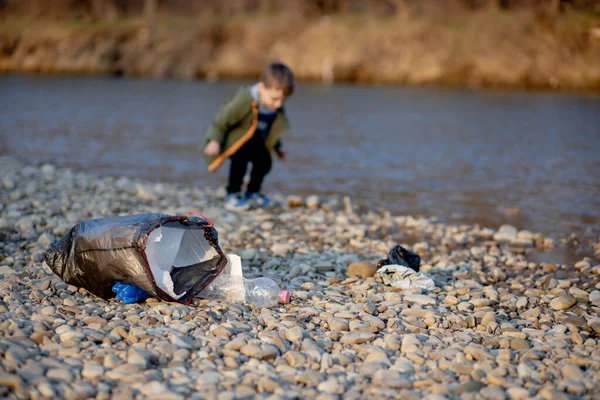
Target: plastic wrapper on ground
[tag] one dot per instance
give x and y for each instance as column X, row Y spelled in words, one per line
column 405, row 278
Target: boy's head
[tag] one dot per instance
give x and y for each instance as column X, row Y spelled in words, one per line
column 276, row 84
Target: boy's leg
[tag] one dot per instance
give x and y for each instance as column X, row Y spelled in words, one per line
column 261, row 165
column 237, row 170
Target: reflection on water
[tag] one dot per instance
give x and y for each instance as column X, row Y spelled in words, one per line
column 487, row 157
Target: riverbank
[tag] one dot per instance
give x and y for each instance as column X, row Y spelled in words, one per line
column 484, row 48
column 497, row 326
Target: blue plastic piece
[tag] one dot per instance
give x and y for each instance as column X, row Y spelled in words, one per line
column 129, row 294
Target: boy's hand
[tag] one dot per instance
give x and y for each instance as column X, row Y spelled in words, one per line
column 281, row 155
column 213, row 148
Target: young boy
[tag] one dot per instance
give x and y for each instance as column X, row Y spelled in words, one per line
column 247, row 130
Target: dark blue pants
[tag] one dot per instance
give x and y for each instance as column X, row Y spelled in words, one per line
column 255, row 152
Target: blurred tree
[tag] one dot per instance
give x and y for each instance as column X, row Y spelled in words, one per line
column 500, row 4
column 150, row 10
column 104, row 9
column 110, row 9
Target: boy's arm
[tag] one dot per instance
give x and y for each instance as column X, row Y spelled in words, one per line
column 281, row 154
column 229, row 115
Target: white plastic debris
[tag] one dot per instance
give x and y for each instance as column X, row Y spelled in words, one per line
column 169, row 248
column 404, row 278
column 234, row 268
column 231, row 286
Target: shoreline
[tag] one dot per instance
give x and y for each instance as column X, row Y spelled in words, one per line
column 483, row 49
column 497, row 325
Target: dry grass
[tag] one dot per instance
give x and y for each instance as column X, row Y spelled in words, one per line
column 483, row 48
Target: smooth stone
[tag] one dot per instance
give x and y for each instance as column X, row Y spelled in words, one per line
column 295, row 334
column 410, row 344
column 392, row 342
column 419, row 299
column 594, row 323
column 156, row 390
column 39, row 336
column 46, row 239
column 281, row 249
column 594, row 298
column 519, row 344
column 392, row 379
column 487, row 319
column 309, row 378
column 563, row 302
column 357, row 337
column 7, row 271
column 221, row 331
column 208, row 378
column 92, row 371
column 267, row 226
column 294, row 201
column 269, row 352
column 481, row 302
column 331, row 386
column 179, row 342
column 468, row 387
column 515, row 334
column 517, row 393
column 9, row 380
column 377, row 357
column 579, row 294
column 470, row 321
column 361, row 269
column 573, row 372
column 71, row 336
column 338, row 324
column 294, row 358
column 95, row 320
column 247, row 254
column 48, row 310
column 312, row 201
column 47, row 390
column 506, row 233
column 311, row 348
column 477, row 352
column 324, row 267
column 59, row 374
column 574, row 320
column 552, row 394
column 138, row 357
column 358, row 325
column 373, row 321
column 251, row 350
column 465, row 306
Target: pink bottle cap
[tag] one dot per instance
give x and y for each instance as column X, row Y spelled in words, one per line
column 284, row 296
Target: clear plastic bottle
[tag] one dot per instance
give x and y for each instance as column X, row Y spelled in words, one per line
column 260, row 292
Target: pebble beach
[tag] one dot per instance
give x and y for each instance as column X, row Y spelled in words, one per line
column 497, row 326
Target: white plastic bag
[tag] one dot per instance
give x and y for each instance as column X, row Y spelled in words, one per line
column 402, row 277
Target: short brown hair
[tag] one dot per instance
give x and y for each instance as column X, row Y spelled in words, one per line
column 278, row 75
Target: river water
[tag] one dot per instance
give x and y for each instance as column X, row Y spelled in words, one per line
column 530, row 159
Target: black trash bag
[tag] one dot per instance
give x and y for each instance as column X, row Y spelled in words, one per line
column 400, row 256
column 170, row 257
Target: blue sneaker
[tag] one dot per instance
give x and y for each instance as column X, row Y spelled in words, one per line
column 258, row 200
column 236, row 202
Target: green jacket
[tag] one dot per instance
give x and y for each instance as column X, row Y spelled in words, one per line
column 235, row 124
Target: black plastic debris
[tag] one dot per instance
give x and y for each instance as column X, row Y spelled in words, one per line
column 398, row 255
column 170, row 257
